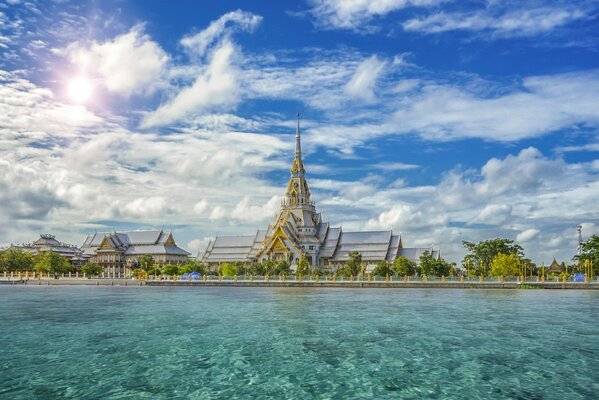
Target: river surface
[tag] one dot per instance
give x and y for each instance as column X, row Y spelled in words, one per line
column 80, row 342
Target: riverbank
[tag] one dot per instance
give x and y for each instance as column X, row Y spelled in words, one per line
column 305, row 283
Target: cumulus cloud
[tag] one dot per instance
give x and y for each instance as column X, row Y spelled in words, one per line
column 494, row 214
column 129, row 63
column 235, row 20
column 363, row 81
column 527, row 235
column 215, row 87
column 197, row 246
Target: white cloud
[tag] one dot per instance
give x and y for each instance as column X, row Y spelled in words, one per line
column 527, row 235
column 363, row 81
column 199, row 43
column 216, row 87
column 129, row 63
column 198, row 246
column 524, row 22
column 494, row 214
column 442, row 112
column 356, row 14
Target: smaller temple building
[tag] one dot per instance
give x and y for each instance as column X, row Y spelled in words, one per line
column 556, row 268
column 48, row 242
column 118, row 253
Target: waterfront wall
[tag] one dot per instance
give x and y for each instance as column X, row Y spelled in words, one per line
column 306, row 284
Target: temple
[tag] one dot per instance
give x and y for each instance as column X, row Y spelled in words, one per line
column 298, row 230
column 118, row 253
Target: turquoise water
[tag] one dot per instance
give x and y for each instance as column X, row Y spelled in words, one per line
column 288, row 343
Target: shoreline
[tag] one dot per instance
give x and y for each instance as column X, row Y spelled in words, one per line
column 303, row 284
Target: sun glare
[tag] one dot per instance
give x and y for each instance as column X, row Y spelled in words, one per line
column 80, row 89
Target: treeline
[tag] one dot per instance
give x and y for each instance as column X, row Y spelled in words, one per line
column 46, row 262
column 495, row 257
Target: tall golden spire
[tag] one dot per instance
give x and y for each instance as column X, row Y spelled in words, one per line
column 298, row 193
column 297, row 168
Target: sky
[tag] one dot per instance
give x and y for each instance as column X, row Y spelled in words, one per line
column 443, row 120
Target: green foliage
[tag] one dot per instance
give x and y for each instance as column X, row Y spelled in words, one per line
column 319, row 272
column 91, row 269
column 382, row 268
column 170, row 269
column 139, row 273
column 354, row 264
column 145, row 262
column 228, row 269
column 430, row 266
column 590, row 252
column 303, row 266
column 282, row 268
column 404, row 266
column 480, row 255
column 191, row 266
column 15, row 260
column 51, row 263
column 505, row 265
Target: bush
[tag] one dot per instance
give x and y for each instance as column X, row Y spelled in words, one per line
column 228, row 269
column 91, row 269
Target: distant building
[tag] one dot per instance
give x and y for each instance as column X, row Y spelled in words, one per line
column 119, row 252
column 556, row 268
column 48, row 242
column 298, row 230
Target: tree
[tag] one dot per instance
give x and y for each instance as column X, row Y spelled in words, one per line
column 430, row 266
column 171, row 269
column 228, row 269
column 139, row 273
column 91, row 269
column 382, row 269
column 191, row 266
column 51, row 263
column 505, row 265
column 481, row 254
column 354, row 264
column 590, row 253
column 303, row 266
column 146, row 262
column 282, row 268
column 403, row 266
column 15, row 260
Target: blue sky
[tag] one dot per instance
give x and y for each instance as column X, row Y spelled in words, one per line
column 443, row 120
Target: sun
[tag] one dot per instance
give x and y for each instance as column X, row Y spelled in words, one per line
column 80, row 89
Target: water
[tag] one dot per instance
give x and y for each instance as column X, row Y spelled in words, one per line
column 289, row 343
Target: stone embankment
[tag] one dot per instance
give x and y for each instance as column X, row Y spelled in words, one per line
column 215, row 282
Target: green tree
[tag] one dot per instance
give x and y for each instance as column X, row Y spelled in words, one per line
column 430, row 266
column 190, row 266
column 170, row 269
column 590, row 252
column 139, row 273
column 382, row 269
column 505, row 265
column 303, row 266
column 282, row 268
column 228, row 269
column 481, row 254
column 51, row 263
column 403, row 266
column 91, row 269
column 16, row 260
column 354, row 264
column 146, row 262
